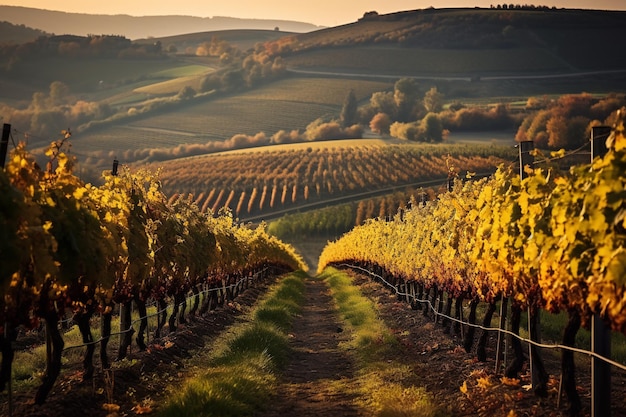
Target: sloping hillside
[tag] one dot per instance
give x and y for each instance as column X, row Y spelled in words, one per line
column 10, row 33
column 535, row 39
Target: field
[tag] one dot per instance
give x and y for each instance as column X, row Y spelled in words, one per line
column 287, row 104
column 100, row 76
column 255, row 183
column 177, row 78
column 430, row 62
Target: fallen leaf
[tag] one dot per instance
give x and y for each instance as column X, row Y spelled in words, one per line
column 142, row 409
column 511, row 382
column 110, row 407
column 463, row 388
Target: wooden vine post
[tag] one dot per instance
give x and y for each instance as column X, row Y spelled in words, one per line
column 525, row 159
column 600, row 331
column 501, row 338
column 4, row 143
column 539, row 376
column 7, row 348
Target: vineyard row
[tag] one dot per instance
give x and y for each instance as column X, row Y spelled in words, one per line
column 554, row 241
column 254, row 182
column 71, row 246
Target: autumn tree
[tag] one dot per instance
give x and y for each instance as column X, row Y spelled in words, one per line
column 380, row 123
column 433, row 101
column 406, row 131
column 405, row 96
column 59, row 93
column 349, row 109
column 431, row 129
column 383, row 102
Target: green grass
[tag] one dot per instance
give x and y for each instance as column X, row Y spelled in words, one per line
column 242, row 369
column 385, row 385
column 184, row 71
column 552, row 326
column 177, row 78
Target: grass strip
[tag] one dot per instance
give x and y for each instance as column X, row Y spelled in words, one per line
column 243, row 365
column 386, row 386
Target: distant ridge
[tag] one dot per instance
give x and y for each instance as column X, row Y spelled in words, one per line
column 135, row 27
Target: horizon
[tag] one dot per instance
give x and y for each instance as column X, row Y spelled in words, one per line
column 316, row 14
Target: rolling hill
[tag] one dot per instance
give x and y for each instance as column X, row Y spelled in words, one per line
column 136, row 27
column 140, row 114
column 503, row 40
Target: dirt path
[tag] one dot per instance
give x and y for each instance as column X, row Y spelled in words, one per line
column 319, row 377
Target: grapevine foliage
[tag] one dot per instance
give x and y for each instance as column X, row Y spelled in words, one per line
column 86, row 245
column 555, row 240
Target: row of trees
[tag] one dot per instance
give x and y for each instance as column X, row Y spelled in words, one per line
column 17, row 56
column 55, row 110
column 552, row 123
column 566, row 122
column 407, row 113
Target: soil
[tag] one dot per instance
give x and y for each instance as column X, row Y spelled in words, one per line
column 316, row 363
column 441, row 365
column 140, row 380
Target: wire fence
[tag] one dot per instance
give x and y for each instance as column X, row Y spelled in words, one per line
column 398, row 292
column 163, row 310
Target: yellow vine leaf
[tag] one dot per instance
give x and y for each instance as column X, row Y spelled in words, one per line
column 484, row 383
column 463, row 388
column 616, row 269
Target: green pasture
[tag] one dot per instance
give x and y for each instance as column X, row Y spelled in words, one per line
column 184, row 71
column 120, row 139
column 176, row 79
column 171, row 87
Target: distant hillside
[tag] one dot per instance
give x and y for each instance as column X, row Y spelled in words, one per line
column 562, row 39
column 243, row 39
column 10, row 33
column 135, row 27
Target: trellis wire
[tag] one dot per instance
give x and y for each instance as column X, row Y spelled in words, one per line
column 494, row 329
column 148, row 316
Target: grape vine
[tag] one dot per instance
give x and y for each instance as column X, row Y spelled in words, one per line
column 554, row 240
column 70, row 246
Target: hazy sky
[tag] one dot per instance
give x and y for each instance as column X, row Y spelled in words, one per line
column 319, row 12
